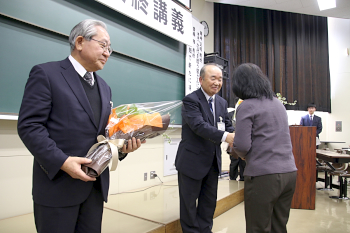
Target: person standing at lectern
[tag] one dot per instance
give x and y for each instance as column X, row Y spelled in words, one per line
column 205, row 124
column 311, row 119
column 65, row 107
column 262, row 138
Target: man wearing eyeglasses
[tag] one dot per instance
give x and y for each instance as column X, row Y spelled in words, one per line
column 64, row 108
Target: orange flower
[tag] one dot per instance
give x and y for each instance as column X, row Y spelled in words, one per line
column 138, row 121
column 127, row 125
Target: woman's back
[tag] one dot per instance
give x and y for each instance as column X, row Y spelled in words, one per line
column 262, row 136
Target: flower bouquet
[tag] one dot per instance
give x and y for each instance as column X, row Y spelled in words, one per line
column 141, row 120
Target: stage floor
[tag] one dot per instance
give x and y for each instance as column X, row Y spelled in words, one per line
column 153, row 209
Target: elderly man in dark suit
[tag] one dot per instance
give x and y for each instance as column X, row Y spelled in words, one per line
column 311, row 119
column 205, row 124
column 64, row 108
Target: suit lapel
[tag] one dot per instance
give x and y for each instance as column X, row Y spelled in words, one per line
column 314, row 121
column 105, row 100
column 205, row 105
column 73, row 80
column 218, row 108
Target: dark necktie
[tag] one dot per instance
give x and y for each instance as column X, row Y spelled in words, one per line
column 310, row 120
column 210, row 102
column 88, row 78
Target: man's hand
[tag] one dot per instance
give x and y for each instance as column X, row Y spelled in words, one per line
column 72, row 166
column 230, row 137
column 133, row 145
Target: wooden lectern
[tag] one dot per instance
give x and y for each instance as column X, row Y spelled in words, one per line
column 304, row 149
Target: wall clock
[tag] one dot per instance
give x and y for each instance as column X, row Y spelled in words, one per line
column 206, row 28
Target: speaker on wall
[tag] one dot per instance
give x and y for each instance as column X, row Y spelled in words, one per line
column 214, row 58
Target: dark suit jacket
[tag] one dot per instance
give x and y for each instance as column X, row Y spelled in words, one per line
column 316, row 121
column 201, row 138
column 56, row 121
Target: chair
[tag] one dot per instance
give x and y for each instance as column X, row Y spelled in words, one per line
column 342, row 170
column 321, row 166
column 345, row 175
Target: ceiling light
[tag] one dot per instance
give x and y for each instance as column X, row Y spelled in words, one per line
column 326, row 4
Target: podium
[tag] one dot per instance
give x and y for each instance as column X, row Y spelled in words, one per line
column 304, row 149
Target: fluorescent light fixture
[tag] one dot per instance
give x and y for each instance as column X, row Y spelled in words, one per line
column 326, row 4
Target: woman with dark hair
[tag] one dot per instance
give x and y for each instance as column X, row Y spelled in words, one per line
column 262, row 139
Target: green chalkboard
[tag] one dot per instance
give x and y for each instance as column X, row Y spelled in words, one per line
column 146, row 66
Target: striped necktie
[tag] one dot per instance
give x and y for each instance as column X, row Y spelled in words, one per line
column 210, row 102
column 88, row 78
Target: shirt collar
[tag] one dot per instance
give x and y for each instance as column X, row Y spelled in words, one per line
column 78, row 67
column 207, row 96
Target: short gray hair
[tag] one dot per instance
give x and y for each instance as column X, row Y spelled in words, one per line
column 202, row 72
column 86, row 29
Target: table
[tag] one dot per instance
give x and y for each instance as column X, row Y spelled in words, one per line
column 326, row 142
column 333, row 157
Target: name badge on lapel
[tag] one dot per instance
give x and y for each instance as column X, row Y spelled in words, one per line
column 221, row 125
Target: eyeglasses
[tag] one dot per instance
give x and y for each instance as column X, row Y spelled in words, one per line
column 104, row 46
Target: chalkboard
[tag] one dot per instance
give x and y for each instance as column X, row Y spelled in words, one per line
column 146, row 66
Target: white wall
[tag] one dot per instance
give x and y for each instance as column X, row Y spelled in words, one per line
column 150, row 157
column 339, row 40
column 15, row 172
